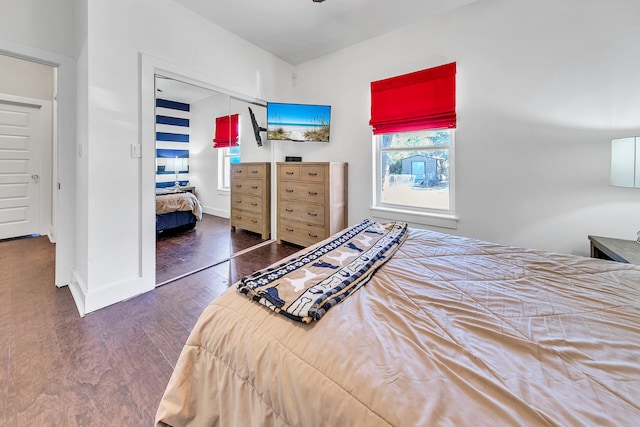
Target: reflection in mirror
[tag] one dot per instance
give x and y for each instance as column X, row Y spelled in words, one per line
column 193, row 230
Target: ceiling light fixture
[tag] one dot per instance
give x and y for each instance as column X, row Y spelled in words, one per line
column 318, row 1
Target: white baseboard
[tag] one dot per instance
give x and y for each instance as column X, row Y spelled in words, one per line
column 222, row 213
column 76, row 287
column 88, row 301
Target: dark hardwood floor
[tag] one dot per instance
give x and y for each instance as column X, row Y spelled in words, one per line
column 210, row 242
column 110, row 367
column 264, row 255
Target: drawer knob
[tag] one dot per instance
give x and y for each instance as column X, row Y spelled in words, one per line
column 313, row 193
column 238, row 201
column 312, row 174
column 255, row 187
column 290, row 230
column 289, row 173
column 254, row 221
column 254, row 204
column 254, row 171
column 312, row 214
column 288, row 210
column 313, row 235
column 288, row 191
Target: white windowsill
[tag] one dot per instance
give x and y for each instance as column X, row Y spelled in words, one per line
column 416, row 217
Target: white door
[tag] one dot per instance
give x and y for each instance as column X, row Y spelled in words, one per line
column 20, row 145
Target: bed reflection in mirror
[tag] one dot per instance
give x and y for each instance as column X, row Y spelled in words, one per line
column 193, row 178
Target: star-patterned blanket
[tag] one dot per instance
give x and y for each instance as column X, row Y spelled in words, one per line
column 305, row 286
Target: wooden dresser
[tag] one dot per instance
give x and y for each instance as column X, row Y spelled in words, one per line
column 312, row 201
column 251, row 197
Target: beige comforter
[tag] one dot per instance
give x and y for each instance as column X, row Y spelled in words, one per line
column 449, row 332
column 184, row 201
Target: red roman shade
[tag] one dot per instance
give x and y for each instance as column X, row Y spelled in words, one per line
column 226, row 131
column 416, row 101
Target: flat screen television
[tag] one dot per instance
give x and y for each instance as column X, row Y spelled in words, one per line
column 298, row 122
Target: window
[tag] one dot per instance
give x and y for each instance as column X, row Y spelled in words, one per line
column 227, row 135
column 414, row 170
column 413, row 117
column 226, row 156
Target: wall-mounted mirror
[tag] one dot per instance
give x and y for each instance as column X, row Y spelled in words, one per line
column 193, row 177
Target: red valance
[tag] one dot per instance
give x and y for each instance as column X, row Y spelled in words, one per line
column 420, row 100
column 226, row 131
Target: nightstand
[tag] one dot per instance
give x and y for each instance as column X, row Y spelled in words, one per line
column 615, row 249
column 188, row 188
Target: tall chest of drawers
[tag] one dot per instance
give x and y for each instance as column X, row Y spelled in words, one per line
column 312, row 201
column 251, row 197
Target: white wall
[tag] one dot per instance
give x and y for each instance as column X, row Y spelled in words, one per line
column 119, row 206
column 78, row 284
column 203, row 159
column 42, row 25
column 542, row 88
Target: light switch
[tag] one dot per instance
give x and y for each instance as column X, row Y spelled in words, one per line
column 135, row 151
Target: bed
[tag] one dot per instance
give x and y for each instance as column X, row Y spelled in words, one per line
column 176, row 210
column 449, row 331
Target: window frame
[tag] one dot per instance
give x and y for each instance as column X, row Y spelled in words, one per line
column 446, row 218
column 224, row 164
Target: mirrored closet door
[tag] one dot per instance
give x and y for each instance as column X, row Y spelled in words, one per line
column 199, row 133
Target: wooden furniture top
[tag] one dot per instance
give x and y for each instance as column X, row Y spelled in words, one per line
column 617, row 249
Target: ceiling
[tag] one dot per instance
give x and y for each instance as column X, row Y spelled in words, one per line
column 300, row 30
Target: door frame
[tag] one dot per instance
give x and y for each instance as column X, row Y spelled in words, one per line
column 151, row 66
column 63, row 158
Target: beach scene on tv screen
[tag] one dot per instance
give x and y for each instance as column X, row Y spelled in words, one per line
column 298, row 122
